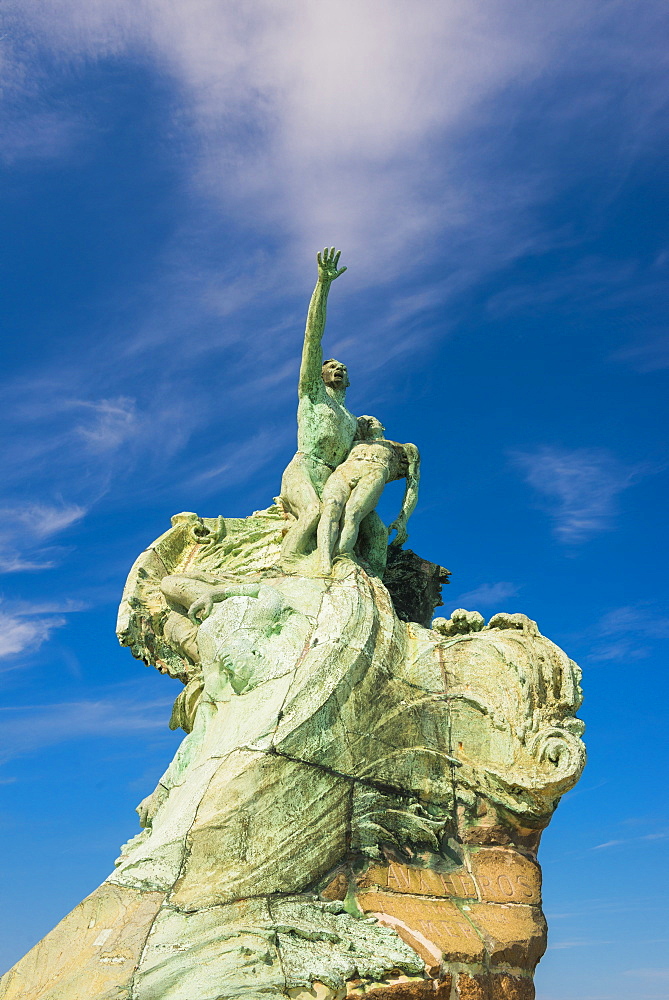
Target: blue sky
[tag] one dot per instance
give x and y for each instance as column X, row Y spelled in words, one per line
column 495, row 174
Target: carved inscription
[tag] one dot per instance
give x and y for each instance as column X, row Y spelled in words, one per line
column 505, row 876
column 420, row 922
column 420, row 881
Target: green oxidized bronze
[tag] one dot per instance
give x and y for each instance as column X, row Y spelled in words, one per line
column 358, row 801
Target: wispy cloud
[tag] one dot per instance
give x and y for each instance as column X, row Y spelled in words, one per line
column 488, row 594
column 647, row 354
column 25, row 625
column 111, row 423
column 43, row 520
column 578, row 487
column 559, row 945
column 644, row 838
column 649, row 973
column 12, row 562
column 26, row 729
column 26, row 526
column 66, row 450
column 622, row 634
column 19, row 634
column 358, row 155
column 242, row 460
column 40, row 135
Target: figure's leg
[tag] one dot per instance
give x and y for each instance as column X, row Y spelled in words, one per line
column 299, row 495
column 335, row 495
column 372, row 543
column 364, row 498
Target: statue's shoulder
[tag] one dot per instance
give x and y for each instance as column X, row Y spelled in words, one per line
column 313, row 393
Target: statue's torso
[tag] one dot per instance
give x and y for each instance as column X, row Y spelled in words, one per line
column 325, row 428
column 369, row 455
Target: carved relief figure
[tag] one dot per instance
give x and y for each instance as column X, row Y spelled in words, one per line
column 359, row 798
column 325, row 428
column 355, row 487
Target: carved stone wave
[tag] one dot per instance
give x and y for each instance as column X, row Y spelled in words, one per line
column 356, row 806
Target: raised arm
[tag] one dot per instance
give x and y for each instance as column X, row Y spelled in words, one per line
column 410, row 495
column 312, row 353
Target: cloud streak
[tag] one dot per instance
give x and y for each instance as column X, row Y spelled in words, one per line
column 577, row 487
column 623, row 633
column 19, row 635
column 416, row 104
column 488, row 594
column 26, row 729
column 25, row 625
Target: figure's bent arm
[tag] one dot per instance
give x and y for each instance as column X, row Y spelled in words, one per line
column 410, row 495
column 312, row 352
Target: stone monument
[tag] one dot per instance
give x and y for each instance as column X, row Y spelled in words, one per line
column 356, row 807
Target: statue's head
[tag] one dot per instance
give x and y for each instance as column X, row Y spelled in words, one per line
column 335, row 374
column 369, row 429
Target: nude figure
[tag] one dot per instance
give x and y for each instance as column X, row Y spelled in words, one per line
column 325, row 428
column 355, row 487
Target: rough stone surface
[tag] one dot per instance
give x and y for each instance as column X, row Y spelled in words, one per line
column 93, row 952
column 357, row 802
column 472, row 987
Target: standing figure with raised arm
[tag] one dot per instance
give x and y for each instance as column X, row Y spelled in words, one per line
column 325, row 428
column 355, row 487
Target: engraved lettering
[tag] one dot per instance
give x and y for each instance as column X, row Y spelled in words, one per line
column 447, row 883
column 431, row 928
column 398, row 877
column 505, row 885
column 524, row 884
column 422, row 885
column 467, row 884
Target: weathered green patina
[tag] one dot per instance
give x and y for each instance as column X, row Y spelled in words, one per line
column 357, row 804
column 325, row 428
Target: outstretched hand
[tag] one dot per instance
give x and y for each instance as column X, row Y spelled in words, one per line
column 328, row 264
column 401, row 528
column 200, row 609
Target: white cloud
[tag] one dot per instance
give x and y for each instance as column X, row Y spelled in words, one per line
column 578, row 487
column 637, row 841
column 25, row 625
column 12, row 562
column 243, row 460
column 44, row 520
column 66, row 449
column 43, row 135
column 19, row 634
column 112, row 422
column 33, row 727
column 342, row 123
column 488, row 594
column 559, row 945
column 622, row 634
column 25, row 526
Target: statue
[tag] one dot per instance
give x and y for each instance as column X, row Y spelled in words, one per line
column 325, row 428
column 358, row 800
column 355, row 487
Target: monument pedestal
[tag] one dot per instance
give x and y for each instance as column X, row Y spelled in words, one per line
column 356, row 807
